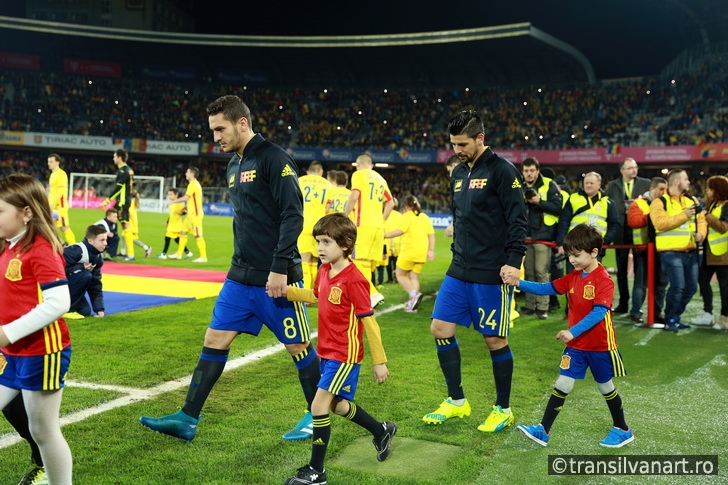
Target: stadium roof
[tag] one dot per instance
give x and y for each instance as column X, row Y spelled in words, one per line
column 508, row 55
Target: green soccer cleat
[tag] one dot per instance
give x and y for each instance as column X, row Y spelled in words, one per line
column 496, row 421
column 446, row 411
column 36, row 475
column 179, row 425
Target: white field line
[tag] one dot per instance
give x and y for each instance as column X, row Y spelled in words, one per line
column 134, row 395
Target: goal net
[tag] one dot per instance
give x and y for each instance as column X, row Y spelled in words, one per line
column 89, row 190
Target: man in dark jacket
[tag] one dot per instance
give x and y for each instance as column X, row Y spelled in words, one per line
column 623, row 191
column 83, row 270
column 543, row 207
column 268, row 217
column 489, row 218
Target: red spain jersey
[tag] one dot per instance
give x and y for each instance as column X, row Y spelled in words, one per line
column 342, row 299
column 584, row 291
column 25, row 275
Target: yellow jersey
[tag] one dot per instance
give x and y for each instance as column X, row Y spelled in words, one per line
column 194, row 203
column 415, row 240
column 337, row 199
column 174, row 222
column 58, row 190
column 315, row 190
column 373, row 192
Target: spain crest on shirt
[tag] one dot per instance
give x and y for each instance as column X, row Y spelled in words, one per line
column 13, row 272
column 335, row 295
column 589, row 292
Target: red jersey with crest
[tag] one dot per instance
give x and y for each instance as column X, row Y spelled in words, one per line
column 25, row 275
column 342, row 300
column 584, row 291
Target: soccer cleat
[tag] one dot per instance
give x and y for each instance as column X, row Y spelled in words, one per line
column 35, row 475
column 383, row 443
column 446, row 411
column 174, row 256
column 416, row 300
column 377, row 299
column 307, row 475
column 542, row 315
column 148, row 251
column 179, row 425
column 161, row 256
column 617, row 438
column 496, row 421
column 128, row 258
column 188, row 254
column 536, row 433
column 200, row 260
column 682, row 326
column 303, row 429
column 409, row 309
column 73, row 316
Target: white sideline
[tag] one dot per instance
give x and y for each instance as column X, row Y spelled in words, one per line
column 134, row 395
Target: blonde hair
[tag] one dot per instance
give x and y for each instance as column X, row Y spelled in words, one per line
column 23, row 191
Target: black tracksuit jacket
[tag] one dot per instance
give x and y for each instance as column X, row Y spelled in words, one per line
column 489, row 217
column 268, row 213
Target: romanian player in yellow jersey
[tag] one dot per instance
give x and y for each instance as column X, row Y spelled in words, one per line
column 339, row 194
column 345, row 311
column 134, row 222
column 369, row 191
column 314, row 188
column 174, row 222
column 193, row 221
column 58, row 196
column 418, row 247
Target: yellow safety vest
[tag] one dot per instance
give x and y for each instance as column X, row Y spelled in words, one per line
column 718, row 241
column 595, row 215
column 679, row 237
column 640, row 234
column 543, row 193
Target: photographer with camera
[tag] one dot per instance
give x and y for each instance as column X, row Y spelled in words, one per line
column 543, row 208
column 679, row 227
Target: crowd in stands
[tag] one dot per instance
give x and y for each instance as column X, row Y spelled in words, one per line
column 687, row 110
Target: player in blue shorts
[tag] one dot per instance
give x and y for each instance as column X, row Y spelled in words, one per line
column 591, row 341
column 268, row 218
column 489, row 219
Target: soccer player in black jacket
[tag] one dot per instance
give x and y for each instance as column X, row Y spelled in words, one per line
column 268, row 218
column 489, row 217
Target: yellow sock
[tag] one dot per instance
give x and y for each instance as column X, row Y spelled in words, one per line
column 202, row 247
column 182, row 244
column 70, row 236
column 129, row 239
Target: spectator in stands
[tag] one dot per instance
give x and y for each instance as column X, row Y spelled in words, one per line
column 622, row 192
column 543, row 208
column 643, row 232
column 679, row 227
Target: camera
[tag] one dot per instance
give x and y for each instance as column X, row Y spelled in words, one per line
column 699, row 208
column 529, row 193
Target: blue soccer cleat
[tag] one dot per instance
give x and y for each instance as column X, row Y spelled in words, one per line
column 303, row 430
column 617, row 438
column 536, row 433
column 179, row 425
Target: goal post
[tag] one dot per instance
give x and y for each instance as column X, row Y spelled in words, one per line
column 89, row 190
